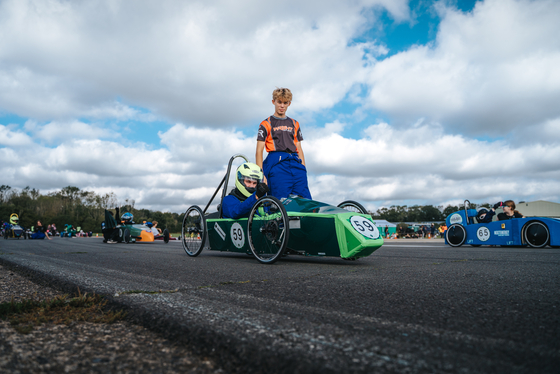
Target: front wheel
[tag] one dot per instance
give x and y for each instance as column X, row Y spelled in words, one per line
column 456, row 235
column 126, row 236
column 536, row 234
column 353, row 206
column 268, row 229
column 193, row 232
column 166, row 236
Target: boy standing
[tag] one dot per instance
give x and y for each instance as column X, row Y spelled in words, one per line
column 284, row 167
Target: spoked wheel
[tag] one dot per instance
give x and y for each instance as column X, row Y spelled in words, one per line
column 268, row 229
column 166, row 236
column 353, row 206
column 536, row 234
column 193, row 232
column 456, row 235
column 121, row 235
column 126, row 236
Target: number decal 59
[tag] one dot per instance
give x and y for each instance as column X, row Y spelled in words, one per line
column 237, row 236
column 364, row 227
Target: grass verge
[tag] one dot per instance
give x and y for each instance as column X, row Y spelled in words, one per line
column 26, row 314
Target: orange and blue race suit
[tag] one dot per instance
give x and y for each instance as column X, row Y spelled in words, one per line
column 283, row 169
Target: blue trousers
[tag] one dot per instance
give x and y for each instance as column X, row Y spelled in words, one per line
column 286, row 175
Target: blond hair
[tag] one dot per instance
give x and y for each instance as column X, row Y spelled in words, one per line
column 282, row 93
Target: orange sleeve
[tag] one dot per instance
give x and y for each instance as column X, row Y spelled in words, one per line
column 269, row 142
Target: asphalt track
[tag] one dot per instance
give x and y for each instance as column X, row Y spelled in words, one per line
column 413, row 306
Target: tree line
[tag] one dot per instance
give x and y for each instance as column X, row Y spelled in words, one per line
column 419, row 213
column 70, row 205
column 86, row 209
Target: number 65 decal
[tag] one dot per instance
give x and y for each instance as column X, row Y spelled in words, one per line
column 364, row 227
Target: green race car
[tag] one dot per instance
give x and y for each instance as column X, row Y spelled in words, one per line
column 275, row 227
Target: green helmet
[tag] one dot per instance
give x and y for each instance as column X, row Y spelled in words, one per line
column 14, row 219
column 248, row 172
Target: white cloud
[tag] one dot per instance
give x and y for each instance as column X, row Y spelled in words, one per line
column 387, row 166
column 196, row 62
column 77, row 68
column 488, row 72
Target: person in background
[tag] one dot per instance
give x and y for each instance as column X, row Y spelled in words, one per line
column 509, row 212
column 156, row 230
column 39, row 232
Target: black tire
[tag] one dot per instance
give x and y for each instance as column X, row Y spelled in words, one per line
column 193, row 231
column 536, row 234
column 268, row 229
column 166, row 236
column 353, row 206
column 126, row 236
column 456, row 235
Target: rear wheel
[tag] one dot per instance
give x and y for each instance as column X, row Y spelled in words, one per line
column 456, row 235
column 166, row 236
column 268, row 229
column 536, row 234
column 353, row 206
column 126, row 236
column 193, row 232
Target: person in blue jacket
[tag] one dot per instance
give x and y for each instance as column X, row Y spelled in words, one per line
column 248, row 188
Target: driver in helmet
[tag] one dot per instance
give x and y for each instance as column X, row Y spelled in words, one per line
column 127, row 218
column 248, row 188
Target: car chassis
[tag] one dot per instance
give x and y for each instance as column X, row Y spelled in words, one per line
column 274, row 228
column 464, row 228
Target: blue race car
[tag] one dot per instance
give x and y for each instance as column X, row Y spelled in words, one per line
column 464, row 228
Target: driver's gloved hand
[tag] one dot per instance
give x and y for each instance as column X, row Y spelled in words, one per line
column 497, row 205
column 262, row 189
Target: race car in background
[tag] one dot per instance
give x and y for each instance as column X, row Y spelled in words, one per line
column 129, row 231
column 13, row 229
column 464, row 227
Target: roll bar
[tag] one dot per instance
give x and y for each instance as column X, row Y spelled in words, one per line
column 224, row 182
column 467, row 204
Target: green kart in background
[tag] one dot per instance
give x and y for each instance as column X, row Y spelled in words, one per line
column 293, row 225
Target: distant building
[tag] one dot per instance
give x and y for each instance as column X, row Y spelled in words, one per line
column 538, row 208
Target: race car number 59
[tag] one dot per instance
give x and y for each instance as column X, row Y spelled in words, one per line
column 364, row 227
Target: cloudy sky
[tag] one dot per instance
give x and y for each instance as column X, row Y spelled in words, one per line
column 400, row 102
